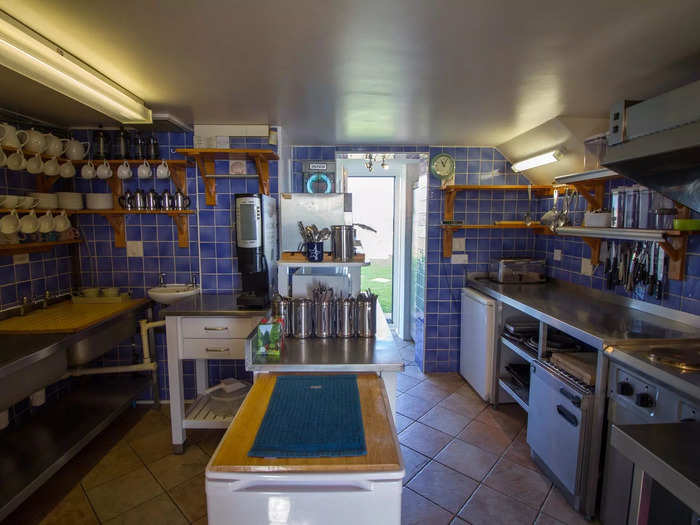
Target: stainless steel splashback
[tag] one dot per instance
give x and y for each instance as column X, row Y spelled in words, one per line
column 323, row 210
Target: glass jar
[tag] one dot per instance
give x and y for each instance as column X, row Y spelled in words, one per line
column 631, row 205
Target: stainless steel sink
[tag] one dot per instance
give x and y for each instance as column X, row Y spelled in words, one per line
column 100, row 339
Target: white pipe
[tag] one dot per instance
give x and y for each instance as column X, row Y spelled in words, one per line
column 141, row 367
column 145, row 326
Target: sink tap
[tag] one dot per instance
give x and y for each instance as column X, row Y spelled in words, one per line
column 161, row 279
column 26, row 306
column 45, row 300
column 193, row 279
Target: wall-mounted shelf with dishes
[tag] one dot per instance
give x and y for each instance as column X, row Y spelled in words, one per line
column 32, row 247
column 206, row 162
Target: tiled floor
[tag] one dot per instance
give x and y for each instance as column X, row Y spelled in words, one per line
column 465, row 463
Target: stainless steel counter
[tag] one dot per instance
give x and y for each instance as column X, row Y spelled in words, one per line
column 210, row 305
column 20, row 351
column 667, row 452
column 594, row 317
column 336, row 354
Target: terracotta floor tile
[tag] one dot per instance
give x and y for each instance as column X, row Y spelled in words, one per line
column 462, row 405
column 424, row 439
column 485, row 436
column 519, row 453
column 119, row 495
column 401, row 422
column 519, row 483
column 509, row 418
column 467, row 391
column 210, row 441
column 412, row 406
column 405, row 382
column 489, row 507
column 557, row 507
column 74, row 509
column 176, row 468
column 158, row 511
column 467, row 459
column 429, row 391
column 414, row 371
column 416, row 510
column 152, row 421
column 154, row 446
column 543, row 519
column 413, row 461
column 191, row 498
column 443, row 486
column 445, row 420
column 120, row 460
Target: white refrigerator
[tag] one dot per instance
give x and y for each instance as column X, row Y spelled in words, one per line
column 478, row 341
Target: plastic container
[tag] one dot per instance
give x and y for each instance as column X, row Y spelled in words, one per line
column 594, row 150
column 631, row 207
column 665, row 218
column 617, row 205
column 645, row 217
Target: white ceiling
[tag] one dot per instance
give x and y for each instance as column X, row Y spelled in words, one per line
column 377, row 71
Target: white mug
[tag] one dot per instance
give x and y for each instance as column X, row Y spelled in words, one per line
column 55, row 147
column 124, row 170
column 17, row 161
column 46, row 223
column 51, row 167
column 27, row 203
column 36, row 141
column 104, row 171
column 75, row 149
column 67, row 170
column 11, row 136
column 35, row 165
column 10, row 238
column 9, row 223
column 162, row 171
column 29, row 223
column 88, row 170
column 61, row 222
column 144, row 171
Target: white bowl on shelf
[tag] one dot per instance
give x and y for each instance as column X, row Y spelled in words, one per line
column 98, row 201
column 69, row 200
column 47, row 201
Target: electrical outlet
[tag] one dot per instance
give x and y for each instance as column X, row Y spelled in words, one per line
column 134, row 248
column 460, row 258
column 557, row 255
column 236, row 167
column 586, row 267
column 20, row 258
column 459, row 244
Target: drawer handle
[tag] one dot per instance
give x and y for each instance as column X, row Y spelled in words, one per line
column 576, row 400
column 567, row 415
column 217, row 349
column 215, row 328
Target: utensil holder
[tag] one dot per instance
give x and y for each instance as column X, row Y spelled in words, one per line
column 314, row 251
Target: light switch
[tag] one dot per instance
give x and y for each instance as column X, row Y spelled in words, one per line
column 557, row 255
column 134, row 248
column 20, row 258
column 459, row 244
column 586, row 267
column 460, row 258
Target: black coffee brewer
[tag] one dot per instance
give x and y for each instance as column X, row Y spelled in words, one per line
column 256, row 245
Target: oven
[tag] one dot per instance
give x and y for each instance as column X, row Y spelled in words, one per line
column 636, row 399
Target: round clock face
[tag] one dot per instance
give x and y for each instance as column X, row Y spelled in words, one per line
column 443, row 166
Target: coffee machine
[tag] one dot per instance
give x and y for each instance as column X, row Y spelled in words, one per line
column 256, row 245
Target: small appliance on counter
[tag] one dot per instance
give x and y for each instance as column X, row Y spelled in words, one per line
column 256, row 241
column 521, row 270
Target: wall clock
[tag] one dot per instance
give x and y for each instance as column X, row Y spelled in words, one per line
column 443, row 167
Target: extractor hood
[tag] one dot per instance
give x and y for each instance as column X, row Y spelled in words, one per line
column 657, row 143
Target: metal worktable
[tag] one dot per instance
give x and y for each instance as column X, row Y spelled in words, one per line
column 210, row 305
column 667, row 453
column 20, row 351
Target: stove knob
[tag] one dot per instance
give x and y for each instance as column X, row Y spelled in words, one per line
column 625, row 389
column 645, row 400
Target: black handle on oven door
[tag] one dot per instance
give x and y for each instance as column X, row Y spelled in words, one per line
column 567, row 415
column 576, row 400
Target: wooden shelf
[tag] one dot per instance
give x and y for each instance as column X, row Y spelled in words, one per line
column 448, row 231
column 31, row 247
column 518, row 187
column 206, row 158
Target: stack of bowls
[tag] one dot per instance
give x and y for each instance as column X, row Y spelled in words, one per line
column 47, row 201
column 98, row 201
column 70, row 200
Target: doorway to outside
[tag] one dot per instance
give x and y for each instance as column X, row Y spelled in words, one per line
column 373, row 205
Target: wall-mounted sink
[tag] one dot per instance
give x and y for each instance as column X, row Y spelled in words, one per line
column 170, row 293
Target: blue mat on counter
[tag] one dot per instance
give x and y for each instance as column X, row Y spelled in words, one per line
column 312, row 416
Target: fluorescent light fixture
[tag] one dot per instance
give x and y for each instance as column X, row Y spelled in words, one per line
column 538, row 160
column 30, row 54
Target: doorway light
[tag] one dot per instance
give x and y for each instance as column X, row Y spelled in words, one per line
column 30, row 54
column 538, row 160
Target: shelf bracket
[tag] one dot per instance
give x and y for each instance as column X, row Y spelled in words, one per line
column 593, row 193
column 263, row 168
column 179, row 176
column 676, row 248
column 44, row 183
column 449, row 211
column 118, row 224
column 595, row 249
column 207, row 165
column 117, row 187
column 447, row 243
column 183, row 230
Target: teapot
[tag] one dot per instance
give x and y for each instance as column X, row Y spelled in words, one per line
column 180, row 201
column 36, row 141
column 152, row 200
column 54, row 145
column 75, row 149
column 126, row 201
column 167, row 200
column 11, row 136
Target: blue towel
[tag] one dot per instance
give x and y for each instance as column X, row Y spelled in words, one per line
column 312, row 416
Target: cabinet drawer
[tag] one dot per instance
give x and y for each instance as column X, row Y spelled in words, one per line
column 213, row 349
column 218, row 327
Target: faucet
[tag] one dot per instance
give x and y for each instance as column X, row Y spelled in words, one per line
column 26, row 306
column 161, row 279
column 193, row 279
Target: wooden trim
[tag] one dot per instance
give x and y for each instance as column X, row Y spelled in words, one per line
column 32, row 247
column 447, row 235
column 595, row 249
column 183, row 230
column 449, row 207
column 263, row 175
column 118, row 224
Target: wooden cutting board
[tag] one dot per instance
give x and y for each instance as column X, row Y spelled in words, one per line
column 66, row 317
column 579, row 364
column 383, row 453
